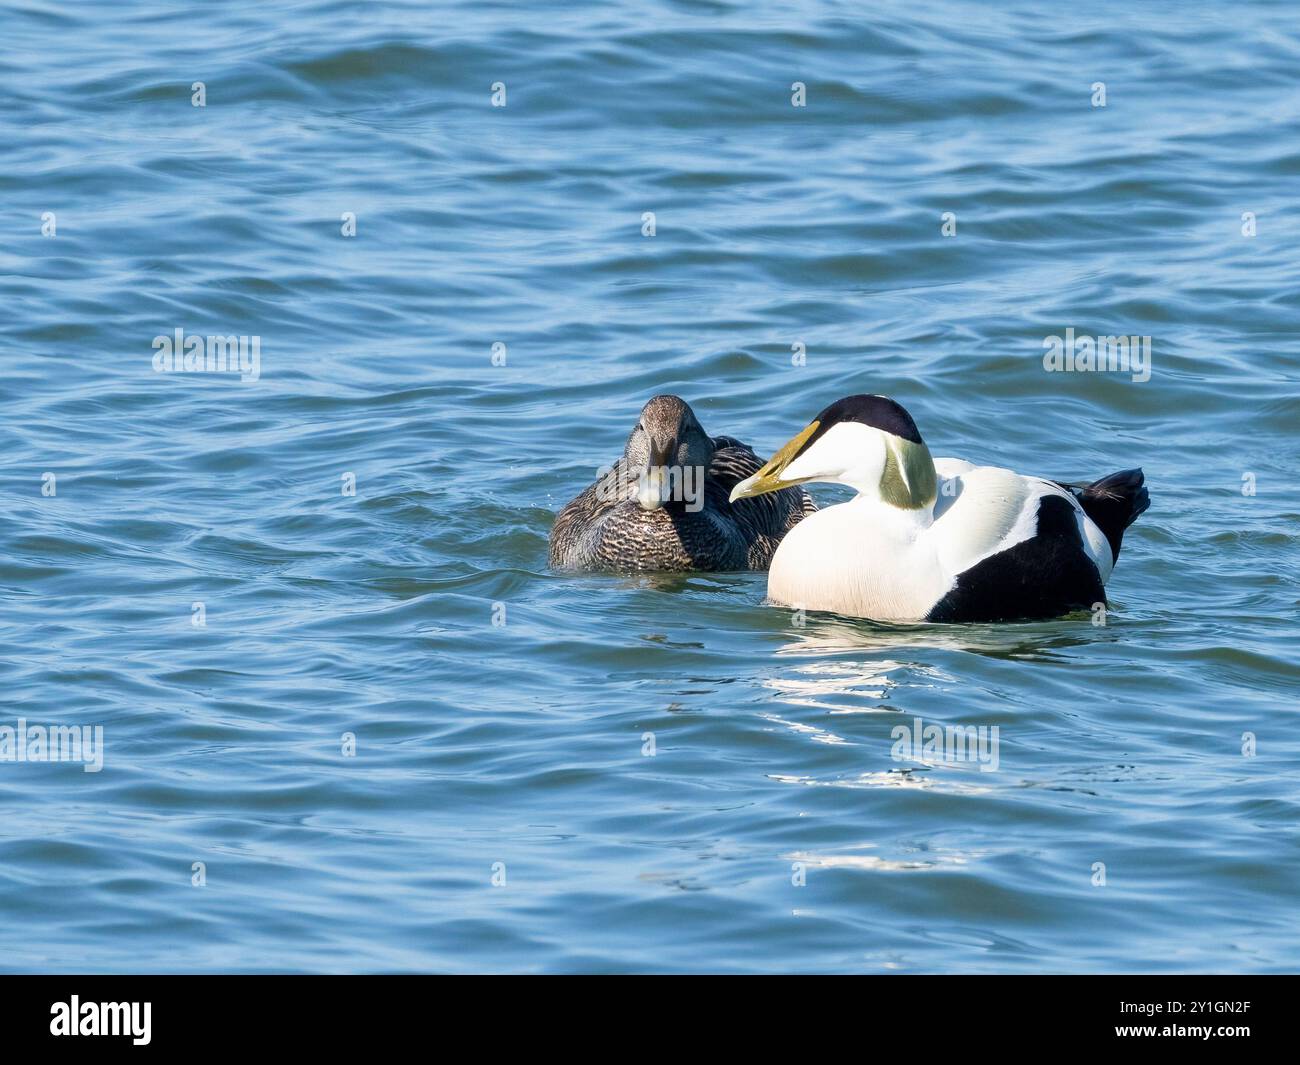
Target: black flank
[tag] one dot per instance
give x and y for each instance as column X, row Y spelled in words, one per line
column 1045, row 576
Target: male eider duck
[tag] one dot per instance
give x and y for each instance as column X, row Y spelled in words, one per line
column 664, row 505
column 937, row 539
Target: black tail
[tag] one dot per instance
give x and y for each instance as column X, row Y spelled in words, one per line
column 1114, row 503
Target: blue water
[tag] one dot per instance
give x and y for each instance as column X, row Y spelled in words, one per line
column 500, row 812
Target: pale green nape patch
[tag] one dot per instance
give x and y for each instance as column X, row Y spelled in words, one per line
column 908, row 480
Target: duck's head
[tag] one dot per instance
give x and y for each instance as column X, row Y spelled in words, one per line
column 667, row 447
column 867, row 442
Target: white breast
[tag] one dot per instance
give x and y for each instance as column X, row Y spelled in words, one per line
column 850, row 560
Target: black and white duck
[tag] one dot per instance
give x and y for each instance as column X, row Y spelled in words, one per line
column 937, row 539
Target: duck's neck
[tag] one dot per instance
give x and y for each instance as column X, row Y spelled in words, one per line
column 898, row 522
column 895, row 477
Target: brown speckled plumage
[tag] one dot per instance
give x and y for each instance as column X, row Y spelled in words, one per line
column 599, row 531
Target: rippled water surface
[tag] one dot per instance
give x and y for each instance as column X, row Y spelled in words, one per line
column 771, row 829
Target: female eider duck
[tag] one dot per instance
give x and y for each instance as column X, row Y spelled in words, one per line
column 989, row 545
column 664, row 505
